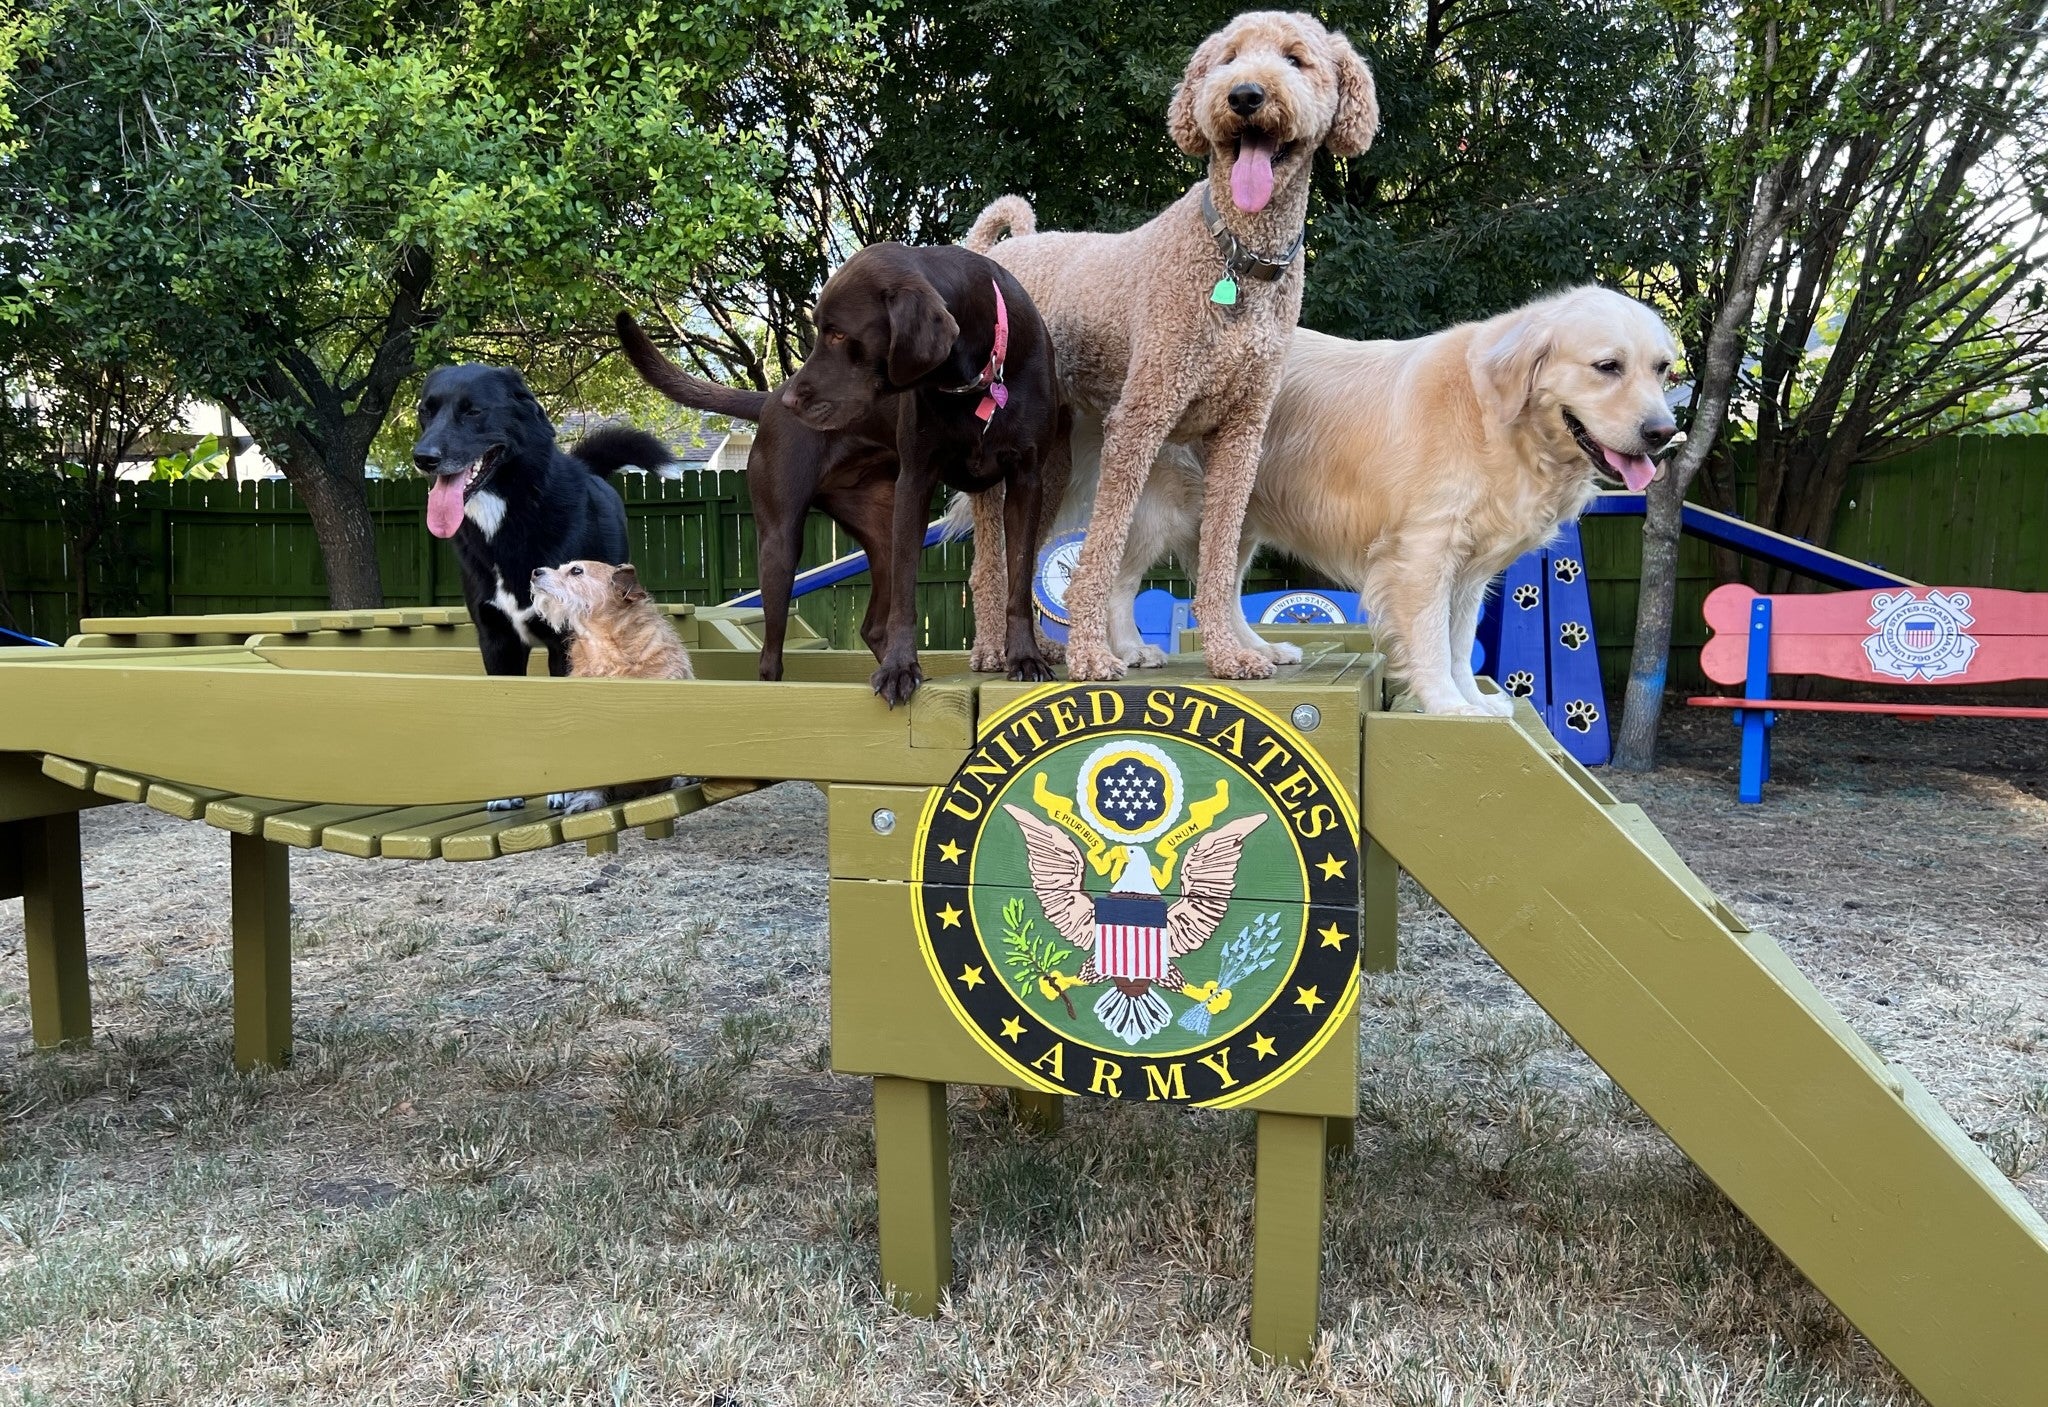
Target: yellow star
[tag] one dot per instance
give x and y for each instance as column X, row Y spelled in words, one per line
column 1012, row 1028
column 950, row 916
column 1306, row 998
column 1262, row 1046
column 950, row 853
column 1331, row 866
column 970, row 977
column 1333, row 936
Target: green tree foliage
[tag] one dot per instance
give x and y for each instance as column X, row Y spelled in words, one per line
column 1511, row 158
column 1867, row 269
column 307, row 202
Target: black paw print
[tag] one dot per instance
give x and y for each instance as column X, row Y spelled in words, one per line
column 1521, row 683
column 1572, row 635
column 1526, row 596
column 1566, row 569
column 1580, row 714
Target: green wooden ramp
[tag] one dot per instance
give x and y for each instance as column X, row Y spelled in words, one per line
column 1846, row 1163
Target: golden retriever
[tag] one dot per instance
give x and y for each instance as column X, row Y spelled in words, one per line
column 1415, row 471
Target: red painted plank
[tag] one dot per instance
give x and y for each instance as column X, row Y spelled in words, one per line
column 1958, row 635
column 1900, row 710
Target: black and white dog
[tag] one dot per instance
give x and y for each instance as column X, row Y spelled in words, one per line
column 513, row 500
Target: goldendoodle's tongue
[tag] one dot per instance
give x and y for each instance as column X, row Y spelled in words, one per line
column 1251, row 175
column 444, row 505
column 1635, row 469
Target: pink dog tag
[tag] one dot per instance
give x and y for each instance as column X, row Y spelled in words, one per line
column 997, row 398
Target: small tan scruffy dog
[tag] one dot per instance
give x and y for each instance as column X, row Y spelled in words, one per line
column 615, row 632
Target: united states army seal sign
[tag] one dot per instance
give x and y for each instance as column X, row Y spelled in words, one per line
column 1142, row 892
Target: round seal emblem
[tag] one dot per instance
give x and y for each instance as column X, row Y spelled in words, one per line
column 1056, row 563
column 1142, row 892
column 1302, row 608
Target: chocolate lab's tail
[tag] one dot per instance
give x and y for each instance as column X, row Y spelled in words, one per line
column 678, row 385
column 1007, row 212
column 610, row 448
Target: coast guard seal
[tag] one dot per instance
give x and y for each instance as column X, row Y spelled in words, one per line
column 1142, row 892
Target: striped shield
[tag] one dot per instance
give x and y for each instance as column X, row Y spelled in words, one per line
column 1130, row 936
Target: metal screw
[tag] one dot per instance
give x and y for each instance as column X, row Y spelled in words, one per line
column 884, row 821
column 1306, row 717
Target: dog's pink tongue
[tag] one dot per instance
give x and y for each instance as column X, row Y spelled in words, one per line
column 444, row 505
column 1251, row 175
column 1635, row 469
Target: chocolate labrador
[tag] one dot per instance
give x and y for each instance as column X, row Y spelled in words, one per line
column 938, row 357
column 851, row 476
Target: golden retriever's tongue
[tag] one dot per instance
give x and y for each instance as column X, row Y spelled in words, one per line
column 1251, row 175
column 1635, row 469
column 444, row 505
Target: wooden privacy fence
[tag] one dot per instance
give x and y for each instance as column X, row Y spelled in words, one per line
column 1973, row 509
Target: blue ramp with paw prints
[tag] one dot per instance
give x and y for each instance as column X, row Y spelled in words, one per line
column 1538, row 639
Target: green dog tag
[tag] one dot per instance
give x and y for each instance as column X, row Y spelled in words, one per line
column 1225, row 291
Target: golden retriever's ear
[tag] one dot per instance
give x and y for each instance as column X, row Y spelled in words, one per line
column 1504, row 366
column 1358, row 102
column 1180, row 113
column 626, row 584
column 921, row 331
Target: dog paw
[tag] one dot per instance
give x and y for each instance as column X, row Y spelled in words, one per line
column 1239, row 664
column 1280, row 651
column 1029, row 669
column 986, row 659
column 1146, row 657
column 506, row 803
column 895, row 683
column 1051, row 650
column 1497, row 705
column 1093, row 662
column 569, row 803
column 1461, row 708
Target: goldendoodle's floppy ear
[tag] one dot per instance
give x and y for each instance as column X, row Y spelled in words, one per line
column 1504, row 365
column 1180, row 113
column 1358, row 103
column 921, row 331
column 626, row 584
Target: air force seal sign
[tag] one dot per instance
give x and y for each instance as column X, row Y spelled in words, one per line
column 1142, row 892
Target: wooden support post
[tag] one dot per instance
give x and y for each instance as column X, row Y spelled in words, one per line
column 1287, row 1236
column 607, row 844
column 53, row 923
column 1340, row 1137
column 1381, row 951
column 261, row 918
column 659, row 830
column 1037, row 1111
column 913, row 1186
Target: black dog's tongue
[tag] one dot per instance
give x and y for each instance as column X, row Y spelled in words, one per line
column 444, row 505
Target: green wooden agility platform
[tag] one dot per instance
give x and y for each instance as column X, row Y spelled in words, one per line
column 1841, row 1159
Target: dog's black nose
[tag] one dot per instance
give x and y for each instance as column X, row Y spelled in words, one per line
column 539, row 572
column 1657, row 433
column 426, row 463
column 1247, row 98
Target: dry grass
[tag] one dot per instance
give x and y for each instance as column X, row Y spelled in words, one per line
column 559, row 1130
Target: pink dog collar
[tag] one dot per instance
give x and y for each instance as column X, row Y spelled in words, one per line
column 991, row 377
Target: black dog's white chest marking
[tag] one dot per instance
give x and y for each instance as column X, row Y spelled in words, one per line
column 508, row 605
column 487, row 511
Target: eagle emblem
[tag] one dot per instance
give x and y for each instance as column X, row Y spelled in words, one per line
column 1142, row 893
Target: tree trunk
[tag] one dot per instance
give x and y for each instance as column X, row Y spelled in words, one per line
column 1635, row 748
column 340, row 508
